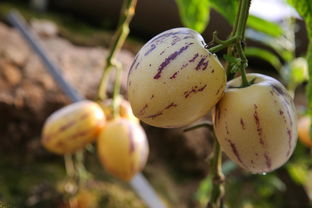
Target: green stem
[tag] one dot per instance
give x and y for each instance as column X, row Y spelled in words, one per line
column 242, row 18
column 217, row 194
column 223, row 45
column 243, row 66
column 239, row 32
column 235, row 25
column 235, row 48
column 234, row 43
column 230, row 48
column 83, row 174
column 117, row 91
column 104, row 82
column 120, row 36
column 69, row 165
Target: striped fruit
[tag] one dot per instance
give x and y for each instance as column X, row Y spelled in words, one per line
column 174, row 80
column 123, row 148
column 125, row 110
column 256, row 126
column 72, row 127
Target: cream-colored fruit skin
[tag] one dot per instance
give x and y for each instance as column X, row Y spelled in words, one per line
column 123, row 148
column 256, row 126
column 72, row 127
column 180, row 93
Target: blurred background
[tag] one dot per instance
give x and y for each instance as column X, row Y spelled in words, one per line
column 77, row 34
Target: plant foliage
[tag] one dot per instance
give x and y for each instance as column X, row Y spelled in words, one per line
column 194, row 13
column 304, row 8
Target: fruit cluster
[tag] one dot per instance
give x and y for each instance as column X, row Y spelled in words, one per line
column 174, row 80
column 121, row 142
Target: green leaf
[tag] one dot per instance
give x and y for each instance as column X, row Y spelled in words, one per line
column 295, row 73
column 234, row 63
column 204, row 190
column 227, row 8
column 189, row 11
column 265, row 55
column 282, row 46
column 299, row 70
column 304, row 8
column 231, row 59
column 194, row 13
column 309, row 58
column 298, row 172
column 264, row 26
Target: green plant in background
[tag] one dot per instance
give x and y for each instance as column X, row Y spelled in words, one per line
column 281, row 54
column 304, row 8
column 194, row 13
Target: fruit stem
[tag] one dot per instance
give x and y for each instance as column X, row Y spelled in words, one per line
column 235, row 43
column 69, row 165
column 116, row 100
column 235, row 49
column 239, row 32
column 243, row 65
column 242, row 19
column 217, row 193
column 127, row 12
column 83, row 174
column 102, row 88
column 223, row 44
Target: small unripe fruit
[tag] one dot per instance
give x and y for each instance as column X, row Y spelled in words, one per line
column 72, row 127
column 304, row 124
column 174, row 80
column 85, row 198
column 256, row 126
column 123, row 148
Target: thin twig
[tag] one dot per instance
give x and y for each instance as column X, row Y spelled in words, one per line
column 83, row 174
column 69, row 165
column 120, row 36
column 116, row 94
column 217, row 193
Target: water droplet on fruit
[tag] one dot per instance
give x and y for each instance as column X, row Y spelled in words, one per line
column 264, row 173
